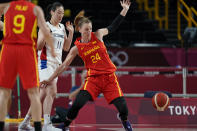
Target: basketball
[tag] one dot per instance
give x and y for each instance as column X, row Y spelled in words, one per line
column 160, row 101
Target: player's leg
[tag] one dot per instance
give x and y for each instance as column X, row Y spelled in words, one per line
column 88, row 92
column 82, row 98
column 25, row 124
column 5, row 94
column 51, row 92
column 8, row 72
column 36, row 110
column 120, row 104
column 9, row 106
column 113, row 94
column 28, row 72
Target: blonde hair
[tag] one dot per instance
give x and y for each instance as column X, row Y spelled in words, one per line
column 80, row 19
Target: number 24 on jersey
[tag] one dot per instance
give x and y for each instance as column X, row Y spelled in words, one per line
column 95, row 58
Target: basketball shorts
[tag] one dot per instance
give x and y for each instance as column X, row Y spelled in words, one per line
column 107, row 84
column 18, row 60
column 46, row 69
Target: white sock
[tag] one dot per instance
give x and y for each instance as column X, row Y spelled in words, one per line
column 47, row 119
column 27, row 119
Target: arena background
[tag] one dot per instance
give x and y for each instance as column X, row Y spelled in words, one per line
column 151, row 53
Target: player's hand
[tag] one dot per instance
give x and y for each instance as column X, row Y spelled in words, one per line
column 45, row 83
column 125, row 4
column 69, row 26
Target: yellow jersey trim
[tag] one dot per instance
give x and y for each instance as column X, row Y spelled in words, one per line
column 119, row 90
column 34, row 35
column 1, row 52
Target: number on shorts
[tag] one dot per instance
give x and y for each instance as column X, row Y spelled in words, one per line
column 19, row 23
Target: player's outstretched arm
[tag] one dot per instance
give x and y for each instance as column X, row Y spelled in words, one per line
column 68, row 40
column 116, row 22
column 45, row 30
column 71, row 55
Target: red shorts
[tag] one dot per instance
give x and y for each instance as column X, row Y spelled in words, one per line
column 106, row 84
column 18, row 60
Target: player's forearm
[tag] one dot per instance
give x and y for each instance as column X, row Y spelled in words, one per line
column 58, row 71
column 49, row 40
column 62, row 67
column 124, row 12
column 68, row 41
column 40, row 42
column 115, row 24
column 1, row 25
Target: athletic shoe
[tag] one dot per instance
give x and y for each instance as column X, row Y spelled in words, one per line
column 50, row 127
column 126, row 124
column 24, row 126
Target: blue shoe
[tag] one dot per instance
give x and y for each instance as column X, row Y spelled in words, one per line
column 126, row 124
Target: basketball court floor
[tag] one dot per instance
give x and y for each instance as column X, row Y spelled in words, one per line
column 114, row 127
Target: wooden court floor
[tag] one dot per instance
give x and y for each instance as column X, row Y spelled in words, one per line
column 114, row 127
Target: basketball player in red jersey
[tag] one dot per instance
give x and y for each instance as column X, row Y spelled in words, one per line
column 18, row 54
column 101, row 76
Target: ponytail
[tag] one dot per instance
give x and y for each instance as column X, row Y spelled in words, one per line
column 80, row 19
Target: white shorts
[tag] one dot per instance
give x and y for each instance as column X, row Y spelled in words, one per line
column 46, row 72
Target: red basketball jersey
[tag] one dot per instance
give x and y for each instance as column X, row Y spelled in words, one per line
column 95, row 56
column 20, row 24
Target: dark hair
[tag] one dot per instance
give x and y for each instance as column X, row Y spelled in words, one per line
column 52, row 7
column 80, row 19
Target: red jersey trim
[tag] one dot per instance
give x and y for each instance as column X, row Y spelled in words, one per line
column 43, row 55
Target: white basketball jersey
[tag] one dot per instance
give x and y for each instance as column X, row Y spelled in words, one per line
column 44, row 55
